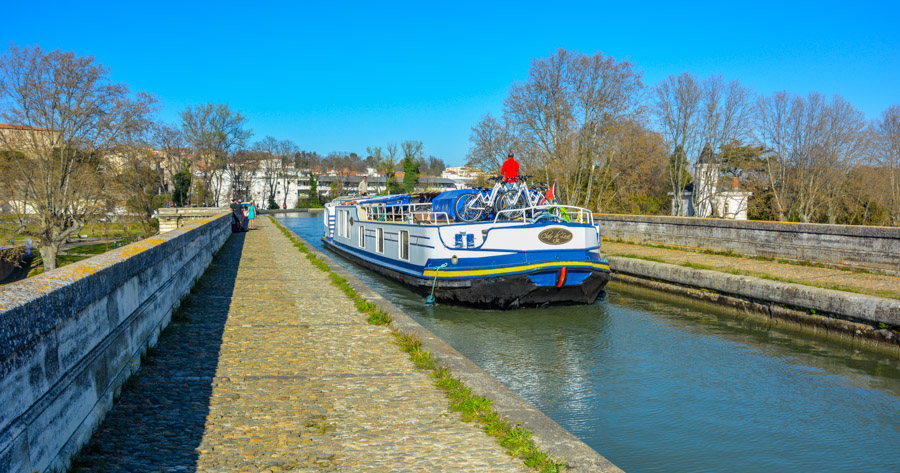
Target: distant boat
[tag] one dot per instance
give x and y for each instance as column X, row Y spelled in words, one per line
column 501, row 258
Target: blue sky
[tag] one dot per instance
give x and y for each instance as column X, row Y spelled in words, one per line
column 347, row 75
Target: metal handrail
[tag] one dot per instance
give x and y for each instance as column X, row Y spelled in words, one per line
column 577, row 214
column 412, row 213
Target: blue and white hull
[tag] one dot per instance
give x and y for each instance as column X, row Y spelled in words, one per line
column 498, row 264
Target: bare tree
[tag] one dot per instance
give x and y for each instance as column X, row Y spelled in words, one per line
column 412, row 152
column 138, row 182
column 887, row 136
column 676, row 106
column 241, row 169
column 637, row 167
column 376, row 154
column 173, row 154
column 434, row 166
column 285, row 150
column 810, row 142
column 215, row 132
column 269, row 165
column 565, row 117
column 541, row 110
column 845, row 144
column 726, row 113
column 491, row 141
column 70, row 119
column 607, row 94
column 388, row 165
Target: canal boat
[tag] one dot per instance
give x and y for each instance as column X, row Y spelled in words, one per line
column 503, row 258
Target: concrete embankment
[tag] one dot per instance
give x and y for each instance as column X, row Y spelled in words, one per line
column 70, row 338
column 786, row 271
column 861, row 317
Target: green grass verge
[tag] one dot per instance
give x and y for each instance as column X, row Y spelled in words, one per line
column 9, row 225
column 516, row 439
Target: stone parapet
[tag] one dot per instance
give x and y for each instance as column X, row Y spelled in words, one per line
column 843, row 246
column 174, row 218
column 70, row 338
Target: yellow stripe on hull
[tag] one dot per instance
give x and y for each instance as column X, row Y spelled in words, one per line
column 430, row 273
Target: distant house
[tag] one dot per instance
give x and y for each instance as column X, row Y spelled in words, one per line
column 23, row 137
column 706, row 197
column 376, row 184
column 464, row 173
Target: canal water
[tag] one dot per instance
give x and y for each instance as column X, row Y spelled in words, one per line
column 659, row 383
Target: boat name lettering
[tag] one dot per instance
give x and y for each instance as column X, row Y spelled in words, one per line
column 555, row 236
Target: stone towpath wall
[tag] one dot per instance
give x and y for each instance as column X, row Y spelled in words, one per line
column 70, row 338
column 847, row 246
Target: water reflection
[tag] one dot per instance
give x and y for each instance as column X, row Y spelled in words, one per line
column 660, row 383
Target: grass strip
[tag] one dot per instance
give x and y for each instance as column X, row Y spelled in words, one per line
column 515, row 438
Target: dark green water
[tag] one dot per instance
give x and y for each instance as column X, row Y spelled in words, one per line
column 659, row 383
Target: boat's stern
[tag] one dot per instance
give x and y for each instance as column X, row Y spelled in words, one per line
column 525, row 265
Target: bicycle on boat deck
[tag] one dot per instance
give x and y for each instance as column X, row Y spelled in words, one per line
column 502, row 198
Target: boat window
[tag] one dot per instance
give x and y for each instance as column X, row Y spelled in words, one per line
column 347, row 224
column 404, row 245
column 379, row 239
column 340, row 223
column 362, row 237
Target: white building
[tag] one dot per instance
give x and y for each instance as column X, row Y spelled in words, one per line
column 706, row 198
column 298, row 187
column 464, row 173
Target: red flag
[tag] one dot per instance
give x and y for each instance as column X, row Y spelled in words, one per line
column 549, row 195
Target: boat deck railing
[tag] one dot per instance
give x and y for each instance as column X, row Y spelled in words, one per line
column 543, row 213
column 421, row 213
column 424, row 214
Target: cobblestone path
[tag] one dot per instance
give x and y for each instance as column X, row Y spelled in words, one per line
column 882, row 285
column 268, row 367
